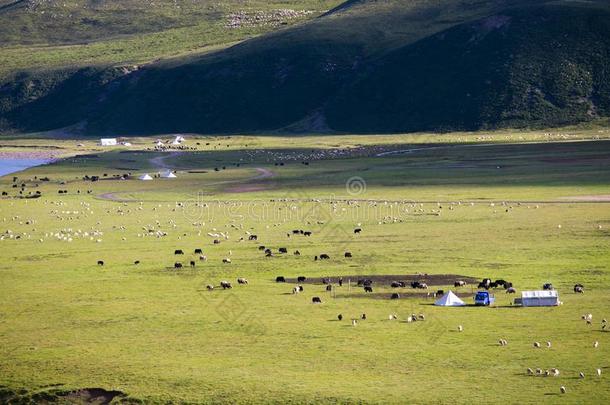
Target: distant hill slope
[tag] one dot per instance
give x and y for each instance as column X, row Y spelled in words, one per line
column 369, row 66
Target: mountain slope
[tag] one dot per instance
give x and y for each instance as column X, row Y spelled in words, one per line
column 545, row 65
column 371, row 66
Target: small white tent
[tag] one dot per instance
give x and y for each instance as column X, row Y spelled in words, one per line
column 543, row 298
column 145, row 176
column 168, row 175
column 449, row 300
column 108, row 142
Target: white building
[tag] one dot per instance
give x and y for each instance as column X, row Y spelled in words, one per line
column 545, row 298
column 108, row 142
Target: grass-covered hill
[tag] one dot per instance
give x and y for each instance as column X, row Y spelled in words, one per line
column 362, row 66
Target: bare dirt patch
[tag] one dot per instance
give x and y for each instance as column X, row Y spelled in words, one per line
column 385, row 280
column 589, row 198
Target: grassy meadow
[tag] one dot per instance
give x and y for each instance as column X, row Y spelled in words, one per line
column 525, row 207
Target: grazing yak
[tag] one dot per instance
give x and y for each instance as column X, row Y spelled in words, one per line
column 316, row 300
column 203, row 258
column 547, row 286
column 280, row 279
column 136, row 262
column 340, row 317
column 510, row 290
column 296, row 290
column 324, row 256
column 210, row 287
column 297, row 253
column 253, row 237
column 307, row 233
column 348, row 254
column 225, row 285
column 267, row 251
column 226, row 260
column 198, row 251
column 177, row 265
column 100, row 262
column 420, row 285
column 579, row 288
column 459, row 283
column 486, row 284
column 368, row 289
column 395, row 296
column 178, row 252
column 300, row 279
column 216, row 241
column 329, row 287
column 283, row 250
column 357, row 230
column 261, row 247
column 192, row 263
column 242, row 280
column 439, row 293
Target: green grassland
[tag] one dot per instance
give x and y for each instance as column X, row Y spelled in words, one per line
column 158, row 335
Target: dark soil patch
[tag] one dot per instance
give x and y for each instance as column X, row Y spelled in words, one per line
column 98, row 396
column 404, row 294
column 386, row 280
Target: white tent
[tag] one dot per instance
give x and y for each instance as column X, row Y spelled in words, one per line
column 108, row 141
column 145, row 176
column 449, row 300
column 179, row 139
column 168, row 175
column 543, row 298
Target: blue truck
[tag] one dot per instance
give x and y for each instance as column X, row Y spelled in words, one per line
column 484, row 298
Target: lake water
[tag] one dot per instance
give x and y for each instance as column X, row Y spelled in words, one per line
column 8, row 166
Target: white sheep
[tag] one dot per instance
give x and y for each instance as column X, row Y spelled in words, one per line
column 562, row 389
column 536, row 344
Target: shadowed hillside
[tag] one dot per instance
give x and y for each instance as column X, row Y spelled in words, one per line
column 367, row 66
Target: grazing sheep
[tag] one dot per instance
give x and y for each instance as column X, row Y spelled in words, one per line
column 596, row 344
column 225, row 285
column 581, row 374
column 354, row 322
column 210, row 287
column 579, row 288
column 562, row 389
column 392, row 317
column 316, row 300
column 242, row 280
column 295, row 290
column 503, row 342
column 536, row 344
column 530, row 371
column 555, row 372
column 203, row 258
column 539, row 371
column 340, row 317
column 226, row 260
column 460, row 328
column 421, row 317
column 100, row 262
column 409, row 319
column 599, row 372
column 548, row 344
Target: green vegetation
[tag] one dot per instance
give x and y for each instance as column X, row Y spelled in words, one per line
column 366, row 67
column 158, row 335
